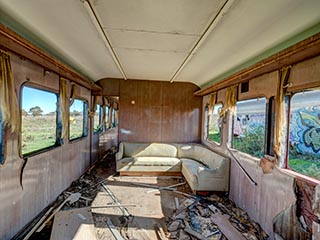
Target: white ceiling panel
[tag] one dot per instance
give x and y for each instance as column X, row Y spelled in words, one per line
column 66, row 28
column 152, row 38
column 165, row 16
column 246, row 31
column 151, row 41
column 143, row 64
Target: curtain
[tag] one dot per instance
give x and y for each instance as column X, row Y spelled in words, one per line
column 280, row 121
column 64, row 105
column 94, row 107
column 212, row 102
column 230, row 104
column 73, row 93
column 105, row 105
column 9, row 101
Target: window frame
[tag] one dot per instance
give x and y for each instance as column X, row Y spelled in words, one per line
column 207, row 125
column 2, row 140
column 58, row 139
column 85, row 120
column 100, row 107
column 107, row 118
column 113, row 118
column 266, row 126
column 287, row 166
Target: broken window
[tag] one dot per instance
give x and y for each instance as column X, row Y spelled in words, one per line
column 249, row 126
column 78, row 119
column 304, row 133
column 97, row 119
column 214, row 124
column 39, row 120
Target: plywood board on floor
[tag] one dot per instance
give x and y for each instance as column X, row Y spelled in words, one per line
column 76, row 224
column 147, row 209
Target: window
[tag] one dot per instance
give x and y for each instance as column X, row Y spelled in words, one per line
column 78, row 119
column 39, row 120
column 107, row 117
column 214, row 124
column 1, row 140
column 97, row 119
column 249, row 127
column 304, row 133
column 114, row 118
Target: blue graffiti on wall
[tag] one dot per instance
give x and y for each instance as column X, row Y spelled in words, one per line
column 311, row 136
column 305, row 130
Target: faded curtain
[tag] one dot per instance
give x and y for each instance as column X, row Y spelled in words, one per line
column 9, row 101
column 230, row 104
column 65, row 102
column 105, row 105
column 280, row 122
column 94, row 107
column 64, row 106
column 212, row 102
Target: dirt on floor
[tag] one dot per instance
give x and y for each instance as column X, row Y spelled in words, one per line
column 143, row 208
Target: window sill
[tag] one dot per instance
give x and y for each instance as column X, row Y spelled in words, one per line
column 301, row 176
column 74, row 140
column 211, row 142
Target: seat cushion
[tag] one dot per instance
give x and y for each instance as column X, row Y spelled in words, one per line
column 189, row 171
column 148, row 161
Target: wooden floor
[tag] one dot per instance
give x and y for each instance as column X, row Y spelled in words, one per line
column 133, row 207
column 146, row 211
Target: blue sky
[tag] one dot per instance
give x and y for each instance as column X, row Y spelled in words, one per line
column 32, row 97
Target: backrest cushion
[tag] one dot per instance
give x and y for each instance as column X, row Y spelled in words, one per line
column 149, row 150
column 201, row 154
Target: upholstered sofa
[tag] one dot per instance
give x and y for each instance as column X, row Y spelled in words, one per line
column 203, row 169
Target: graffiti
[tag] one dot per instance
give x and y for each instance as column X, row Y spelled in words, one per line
column 305, row 131
column 311, row 136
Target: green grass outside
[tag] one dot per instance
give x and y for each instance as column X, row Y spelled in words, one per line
column 306, row 167
column 76, row 128
column 37, row 133
column 253, row 145
column 40, row 132
column 215, row 136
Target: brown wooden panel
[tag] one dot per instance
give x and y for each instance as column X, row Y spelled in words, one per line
column 305, row 75
column 110, row 86
column 159, row 111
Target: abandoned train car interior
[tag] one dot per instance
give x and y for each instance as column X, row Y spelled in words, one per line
column 172, row 119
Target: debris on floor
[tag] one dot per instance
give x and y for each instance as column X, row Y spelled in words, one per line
column 144, row 208
column 212, row 217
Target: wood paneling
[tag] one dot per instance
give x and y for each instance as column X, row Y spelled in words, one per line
column 46, row 174
column 159, row 111
column 305, row 75
column 110, row 86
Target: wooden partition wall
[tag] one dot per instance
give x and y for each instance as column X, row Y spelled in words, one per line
column 156, row 110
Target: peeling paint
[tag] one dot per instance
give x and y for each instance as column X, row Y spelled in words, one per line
column 298, row 221
column 316, row 202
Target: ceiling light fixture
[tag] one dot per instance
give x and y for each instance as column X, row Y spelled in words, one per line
column 213, row 23
column 103, row 35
